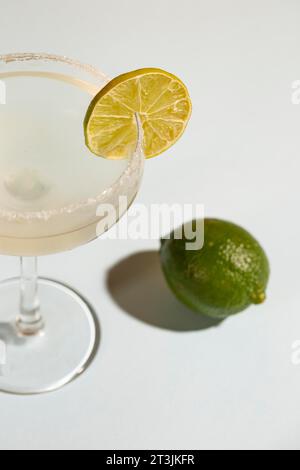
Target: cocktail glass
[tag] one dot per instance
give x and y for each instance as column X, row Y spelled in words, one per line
column 52, row 192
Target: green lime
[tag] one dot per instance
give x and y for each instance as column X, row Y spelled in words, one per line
column 226, row 276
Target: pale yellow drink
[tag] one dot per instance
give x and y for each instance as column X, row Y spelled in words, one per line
column 49, row 180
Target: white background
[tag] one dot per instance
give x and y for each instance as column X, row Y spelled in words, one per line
column 166, row 382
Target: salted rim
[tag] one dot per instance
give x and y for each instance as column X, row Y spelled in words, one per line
column 134, row 162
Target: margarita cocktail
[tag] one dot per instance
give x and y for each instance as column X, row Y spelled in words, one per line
column 51, row 188
column 72, row 149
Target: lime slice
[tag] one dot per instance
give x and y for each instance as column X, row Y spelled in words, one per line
column 162, row 102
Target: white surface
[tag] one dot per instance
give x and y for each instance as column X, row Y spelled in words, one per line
column 228, row 387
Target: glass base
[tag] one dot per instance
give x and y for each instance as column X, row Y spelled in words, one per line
column 56, row 355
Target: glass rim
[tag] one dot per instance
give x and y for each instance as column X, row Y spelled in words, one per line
column 46, row 57
column 134, row 161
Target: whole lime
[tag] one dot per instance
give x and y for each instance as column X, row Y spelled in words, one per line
column 226, row 276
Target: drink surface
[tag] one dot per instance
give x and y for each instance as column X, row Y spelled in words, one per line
column 46, row 171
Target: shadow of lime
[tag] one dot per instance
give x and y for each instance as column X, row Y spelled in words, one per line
column 138, row 287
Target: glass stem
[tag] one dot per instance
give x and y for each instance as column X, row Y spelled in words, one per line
column 29, row 321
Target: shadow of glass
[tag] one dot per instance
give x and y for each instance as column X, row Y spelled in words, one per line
column 138, row 286
column 9, row 335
